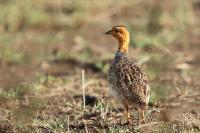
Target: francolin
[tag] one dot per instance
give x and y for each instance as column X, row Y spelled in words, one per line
column 127, row 80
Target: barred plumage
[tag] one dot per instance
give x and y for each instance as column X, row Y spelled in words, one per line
column 127, row 80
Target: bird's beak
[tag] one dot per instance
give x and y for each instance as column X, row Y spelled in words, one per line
column 108, row 32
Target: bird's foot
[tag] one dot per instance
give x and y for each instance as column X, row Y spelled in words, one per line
column 129, row 122
column 141, row 121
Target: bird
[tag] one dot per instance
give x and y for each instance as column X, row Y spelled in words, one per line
column 127, row 80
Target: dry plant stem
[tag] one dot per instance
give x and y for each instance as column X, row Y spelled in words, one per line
column 145, row 125
column 102, row 115
column 83, row 87
column 151, row 110
column 68, row 130
column 86, row 129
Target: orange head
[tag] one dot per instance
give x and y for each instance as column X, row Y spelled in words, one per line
column 122, row 35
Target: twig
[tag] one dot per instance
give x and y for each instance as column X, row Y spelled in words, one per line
column 45, row 128
column 83, row 87
column 101, row 99
column 151, row 110
column 191, row 96
column 118, row 110
column 145, row 125
column 86, row 129
column 68, row 125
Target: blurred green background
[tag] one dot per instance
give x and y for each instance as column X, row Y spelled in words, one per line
column 44, row 44
column 41, row 30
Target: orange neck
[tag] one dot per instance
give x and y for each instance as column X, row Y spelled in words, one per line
column 123, row 45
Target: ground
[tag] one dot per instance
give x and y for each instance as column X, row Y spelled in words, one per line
column 45, row 46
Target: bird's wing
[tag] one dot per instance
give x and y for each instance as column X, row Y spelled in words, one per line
column 133, row 80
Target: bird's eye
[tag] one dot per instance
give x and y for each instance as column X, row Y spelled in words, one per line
column 116, row 30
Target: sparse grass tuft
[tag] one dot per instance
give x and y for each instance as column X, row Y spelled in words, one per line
column 119, row 130
column 50, row 125
column 15, row 93
column 7, row 52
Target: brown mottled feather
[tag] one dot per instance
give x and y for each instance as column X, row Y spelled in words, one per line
column 128, row 81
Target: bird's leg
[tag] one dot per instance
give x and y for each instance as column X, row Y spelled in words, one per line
column 127, row 113
column 141, row 116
